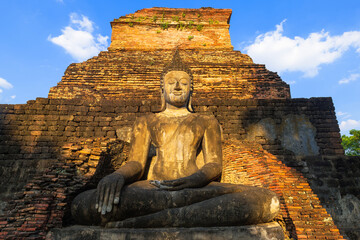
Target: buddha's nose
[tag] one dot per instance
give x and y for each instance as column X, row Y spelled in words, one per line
column 177, row 86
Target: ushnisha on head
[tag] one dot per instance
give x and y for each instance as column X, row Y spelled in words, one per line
column 176, row 84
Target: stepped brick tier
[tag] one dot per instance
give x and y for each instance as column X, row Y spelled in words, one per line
column 51, row 148
column 136, row 75
column 169, row 28
column 141, row 45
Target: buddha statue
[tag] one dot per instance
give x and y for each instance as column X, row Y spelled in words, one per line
column 178, row 187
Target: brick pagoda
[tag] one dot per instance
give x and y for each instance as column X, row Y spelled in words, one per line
column 52, row 148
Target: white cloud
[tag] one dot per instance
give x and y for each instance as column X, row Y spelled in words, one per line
column 351, row 78
column 79, row 40
column 83, row 24
column 343, row 115
column 5, row 84
column 13, row 97
column 281, row 53
column 349, row 124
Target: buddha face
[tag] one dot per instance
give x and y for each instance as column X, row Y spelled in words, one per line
column 177, row 88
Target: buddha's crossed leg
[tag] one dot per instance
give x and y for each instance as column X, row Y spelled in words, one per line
column 143, row 205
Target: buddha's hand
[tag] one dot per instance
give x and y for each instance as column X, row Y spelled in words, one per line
column 192, row 181
column 108, row 192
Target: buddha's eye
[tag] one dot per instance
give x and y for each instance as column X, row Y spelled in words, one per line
column 172, row 81
column 184, row 82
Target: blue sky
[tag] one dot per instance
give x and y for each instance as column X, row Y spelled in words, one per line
column 313, row 45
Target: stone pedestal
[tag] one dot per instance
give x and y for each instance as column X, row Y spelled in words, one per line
column 252, row 232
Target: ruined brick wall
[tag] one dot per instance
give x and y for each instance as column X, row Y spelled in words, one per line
column 236, row 118
column 336, row 181
column 39, row 129
column 301, row 210
column 40, row 207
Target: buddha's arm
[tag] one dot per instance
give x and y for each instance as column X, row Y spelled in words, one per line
column 109, row 188
column 139, row 150
column 211, row 146
column 212, row 150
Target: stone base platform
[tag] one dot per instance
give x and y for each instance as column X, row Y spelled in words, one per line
column 271, row 231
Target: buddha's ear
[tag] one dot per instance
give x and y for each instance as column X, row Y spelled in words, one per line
column 189, row 106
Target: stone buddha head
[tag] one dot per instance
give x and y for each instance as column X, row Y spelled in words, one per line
column 176, row 84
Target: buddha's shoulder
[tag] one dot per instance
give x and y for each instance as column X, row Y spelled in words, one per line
column 205, row 117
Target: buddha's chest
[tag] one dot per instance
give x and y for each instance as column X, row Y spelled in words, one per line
column 179, row 132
